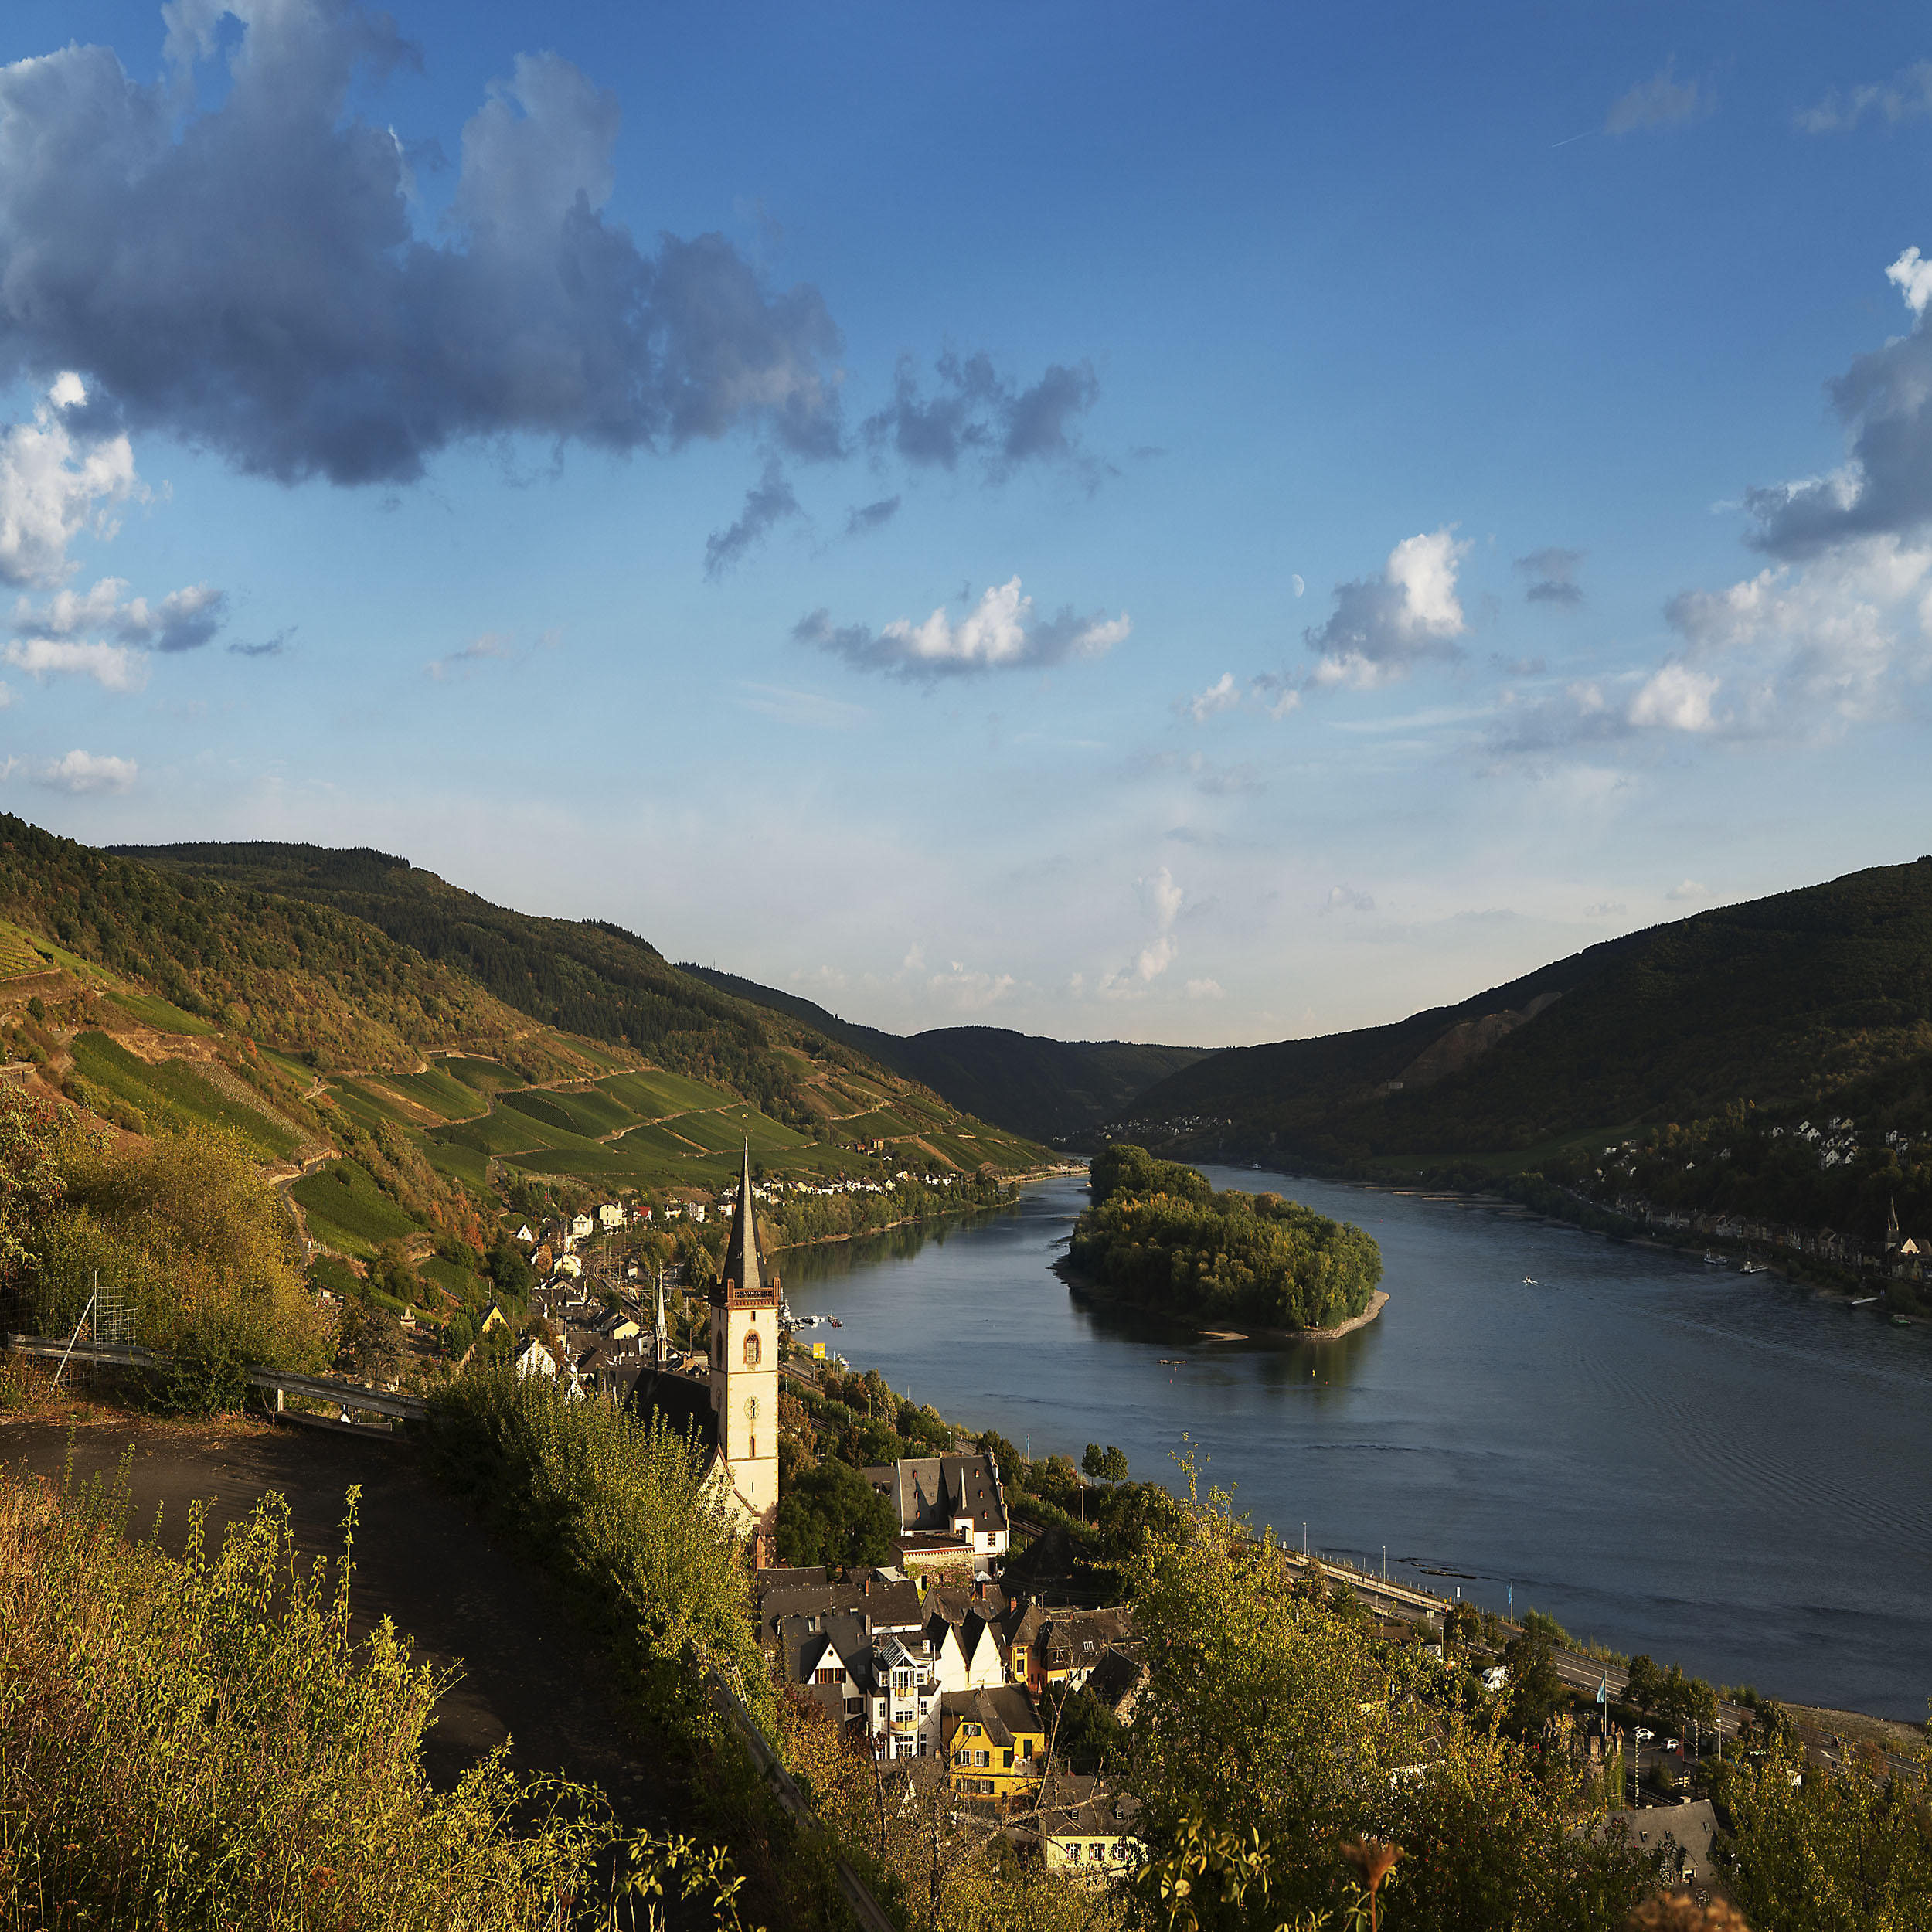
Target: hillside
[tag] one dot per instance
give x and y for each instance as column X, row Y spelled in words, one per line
column 1048, row 1089
column 409, row 1115
column 661, row 1051
column 1813, row 1001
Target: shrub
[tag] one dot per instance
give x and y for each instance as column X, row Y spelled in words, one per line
column 199, row 1745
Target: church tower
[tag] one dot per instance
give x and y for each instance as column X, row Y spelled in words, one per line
column 744, row 1368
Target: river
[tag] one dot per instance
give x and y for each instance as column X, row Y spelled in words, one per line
column 1721, row 1470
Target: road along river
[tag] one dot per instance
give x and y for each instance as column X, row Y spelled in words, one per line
column 1719, row 1469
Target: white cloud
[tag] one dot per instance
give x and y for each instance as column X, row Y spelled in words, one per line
column 1687, row 888
column 1384, row 626
column 183, row 620
column 1909, row 94
column 1912, row 273
column 1205, row 989
column 52, row 487
column 970, row 991
column 1605, row 909
column 84, row 771
column 112, row 666
column 1000, row 633
column 1676, row 697
column 1162, row 899
column 1224, row 694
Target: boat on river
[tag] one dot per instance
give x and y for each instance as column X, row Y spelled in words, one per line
column 1712, row 1259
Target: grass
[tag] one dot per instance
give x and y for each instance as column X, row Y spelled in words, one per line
column 171, row 1087
column 654, row 1093
column 150, row 1009
column 468, row 1164
column 328, row 1271
column 18, row 954
column 366, row 1106
column 663, row 1141
column 448, row 1276
column 349, row 1209
column 589, row 1115
column 438, row 1090
column 486, row 1076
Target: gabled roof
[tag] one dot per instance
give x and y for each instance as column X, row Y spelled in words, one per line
column 934, row 1492
column 683, row 1401
column 1006, row 1711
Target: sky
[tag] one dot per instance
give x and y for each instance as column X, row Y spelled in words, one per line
column 1202, row 524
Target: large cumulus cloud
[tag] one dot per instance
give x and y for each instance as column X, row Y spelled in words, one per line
column 248, row 276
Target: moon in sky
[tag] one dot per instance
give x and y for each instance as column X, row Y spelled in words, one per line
column 1299, row 586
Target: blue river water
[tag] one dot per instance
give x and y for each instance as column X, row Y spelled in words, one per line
column 1722, row 1470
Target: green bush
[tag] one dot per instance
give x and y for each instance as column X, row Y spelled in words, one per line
column 202, row 1744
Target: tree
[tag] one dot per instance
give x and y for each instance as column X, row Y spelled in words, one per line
column 1646, row 1683
column 1537, row 1692
column 31, row 1183
column 1104, row 1465
column 374, row 1337
column 832, row 1515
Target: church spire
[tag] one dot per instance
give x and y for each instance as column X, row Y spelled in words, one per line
column 740, row 1271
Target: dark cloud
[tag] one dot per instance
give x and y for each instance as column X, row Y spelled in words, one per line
column 1886, row 400
column 870, row 516
column 1552, row 574
column 975, row 411
column 273, row 647
column 767, row 503
column 247, row 277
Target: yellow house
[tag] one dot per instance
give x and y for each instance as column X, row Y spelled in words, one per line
column 995, row 1742
column 1086, row 1831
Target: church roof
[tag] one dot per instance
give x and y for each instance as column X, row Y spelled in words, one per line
column 683, row 1401
column 740, row 1267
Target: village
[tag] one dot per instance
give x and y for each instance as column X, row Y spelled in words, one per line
column 925, row 1660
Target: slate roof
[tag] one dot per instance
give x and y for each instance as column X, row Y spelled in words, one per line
column 683, row 1401
column 1077, row 1806
column 929, row 1492
column 1004, row 1711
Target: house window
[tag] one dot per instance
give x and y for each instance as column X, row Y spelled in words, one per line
column 1026, row 1747
column 1006, row 1760
column 982, row 1759
column 832, row 1674
column 752, row 1349
column 902, row 1680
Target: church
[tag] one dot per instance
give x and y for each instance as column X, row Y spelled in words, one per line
column 733, row 1414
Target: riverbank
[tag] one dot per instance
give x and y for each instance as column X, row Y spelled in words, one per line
column 1083, row 1287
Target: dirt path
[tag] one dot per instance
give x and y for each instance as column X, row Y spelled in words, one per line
column 421, row 1558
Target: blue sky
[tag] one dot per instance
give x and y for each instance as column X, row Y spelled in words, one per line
column 1198, row 524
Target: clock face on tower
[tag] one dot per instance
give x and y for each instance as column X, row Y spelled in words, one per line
column 751, row 1408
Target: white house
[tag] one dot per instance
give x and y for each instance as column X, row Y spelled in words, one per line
column 611, row 1217
column 581, row 1226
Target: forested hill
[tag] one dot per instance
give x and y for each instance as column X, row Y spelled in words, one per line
column 1819, row 999
column 301, row 977
column 581, row 976
column 1048, row 1089
column 589, row 979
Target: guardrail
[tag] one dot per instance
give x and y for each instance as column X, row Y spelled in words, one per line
column 865, row 1908
column 351, row 1395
